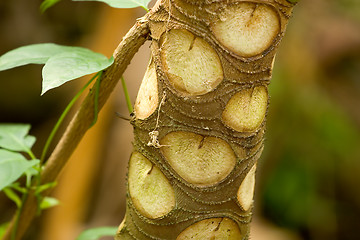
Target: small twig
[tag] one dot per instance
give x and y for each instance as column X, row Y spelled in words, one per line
column 62, row 117
column 119, row 115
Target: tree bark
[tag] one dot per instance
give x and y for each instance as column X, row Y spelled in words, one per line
column 200, row 118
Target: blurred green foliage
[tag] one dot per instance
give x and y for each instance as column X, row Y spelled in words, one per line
column 310, row 169
column 314, row 145
column 350, row 7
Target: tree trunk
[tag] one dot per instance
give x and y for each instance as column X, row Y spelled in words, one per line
column 200, row 118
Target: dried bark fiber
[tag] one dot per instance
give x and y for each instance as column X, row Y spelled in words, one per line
column 183, row 109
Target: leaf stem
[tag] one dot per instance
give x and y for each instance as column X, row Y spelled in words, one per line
column 31, row 154
column 127, row 97
column 62, row 117
column 96, row 98
column 145, row 8
column 18, row 213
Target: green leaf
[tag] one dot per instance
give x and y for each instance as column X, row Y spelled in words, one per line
column 15, row 137
column 12, row 166
column 30, row 172
column 96, row 233
column 16, row 186
column 47, row 4
column 62, row 63
column 36, row 54
column 49, row 202
column 122, row 3
column 13, row 196
column 3, row 228
column 45, row 187
column 70, row 65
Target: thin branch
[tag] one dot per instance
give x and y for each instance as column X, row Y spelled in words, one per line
column 61, row 119
column 82, row 121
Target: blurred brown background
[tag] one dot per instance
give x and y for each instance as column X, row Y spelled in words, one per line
column 309, row 174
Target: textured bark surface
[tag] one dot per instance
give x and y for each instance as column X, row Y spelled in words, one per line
column 200, row 118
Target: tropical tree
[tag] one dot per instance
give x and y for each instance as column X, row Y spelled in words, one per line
column 199, row 118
